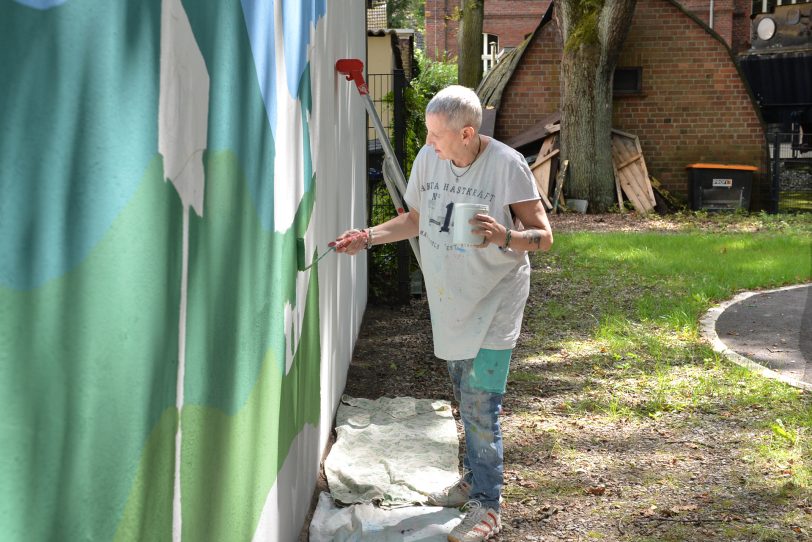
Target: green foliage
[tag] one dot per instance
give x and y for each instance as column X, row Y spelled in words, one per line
column 780, row 430
column 584, row 30
column 406, row 14
column 432, row 76
column 383, row 278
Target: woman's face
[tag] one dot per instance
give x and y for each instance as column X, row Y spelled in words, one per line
column 447, row 142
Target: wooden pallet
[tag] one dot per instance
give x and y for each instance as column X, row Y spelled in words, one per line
column 546, row 164
column 631, row 174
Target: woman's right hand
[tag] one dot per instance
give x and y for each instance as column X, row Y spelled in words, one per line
column 351, row 242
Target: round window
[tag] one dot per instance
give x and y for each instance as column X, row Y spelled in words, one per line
column 765, row 29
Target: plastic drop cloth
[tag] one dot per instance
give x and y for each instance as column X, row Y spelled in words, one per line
column 392, row 451
column 364, row 522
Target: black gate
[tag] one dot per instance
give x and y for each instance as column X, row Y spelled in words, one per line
column 791, row 164
column 389, row 265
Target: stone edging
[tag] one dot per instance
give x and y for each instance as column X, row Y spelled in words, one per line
column 707, row 327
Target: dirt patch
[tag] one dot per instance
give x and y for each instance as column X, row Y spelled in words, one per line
column 611, row 222
column 573, row 478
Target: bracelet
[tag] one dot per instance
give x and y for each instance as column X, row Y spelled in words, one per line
column 507, row 238
column 369, row 238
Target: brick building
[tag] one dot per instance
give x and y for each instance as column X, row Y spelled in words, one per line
column 728, row 18
column 689, row 104
column 508, row 22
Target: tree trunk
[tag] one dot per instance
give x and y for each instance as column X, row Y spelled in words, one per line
column 469, row 41
column 593, row 34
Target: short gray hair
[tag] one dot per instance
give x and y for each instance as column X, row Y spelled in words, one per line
column 460, row 105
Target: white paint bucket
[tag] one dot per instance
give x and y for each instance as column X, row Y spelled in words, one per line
column 578, row 205
column 463, row 212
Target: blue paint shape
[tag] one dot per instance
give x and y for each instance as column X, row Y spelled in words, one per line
column 41, row 4
column 298, row 16
column 80, row 144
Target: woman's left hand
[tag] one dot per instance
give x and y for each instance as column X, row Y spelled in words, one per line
column 488, row 227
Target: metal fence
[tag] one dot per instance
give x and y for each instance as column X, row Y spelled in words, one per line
column 389, row 265
column 791, row 164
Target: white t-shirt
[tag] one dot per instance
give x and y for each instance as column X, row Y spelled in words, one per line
column 476, row 295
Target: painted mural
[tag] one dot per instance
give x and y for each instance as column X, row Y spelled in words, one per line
column 162, row 364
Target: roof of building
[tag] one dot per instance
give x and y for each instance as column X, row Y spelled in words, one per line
column 399, row 32
column 493, row 84
column 491, row 87
column 376, row 17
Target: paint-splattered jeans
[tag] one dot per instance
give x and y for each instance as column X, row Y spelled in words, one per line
column 484, row 455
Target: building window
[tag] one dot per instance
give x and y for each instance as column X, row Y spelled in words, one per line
column 628, row 81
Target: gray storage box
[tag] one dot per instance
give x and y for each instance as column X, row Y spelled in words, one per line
column 720, row 187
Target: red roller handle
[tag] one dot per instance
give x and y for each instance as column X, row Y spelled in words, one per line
column 353, row 68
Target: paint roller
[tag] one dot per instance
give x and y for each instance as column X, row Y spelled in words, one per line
column 331, row 246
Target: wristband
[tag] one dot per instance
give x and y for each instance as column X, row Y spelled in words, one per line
column 507, row 238
column 368, row 243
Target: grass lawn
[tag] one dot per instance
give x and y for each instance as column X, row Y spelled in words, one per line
column 795, row 200
column 622, row 423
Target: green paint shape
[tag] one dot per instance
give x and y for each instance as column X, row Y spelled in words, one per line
column 92, row 358
column 148, row 512
column 242, row 412
column 231, row 462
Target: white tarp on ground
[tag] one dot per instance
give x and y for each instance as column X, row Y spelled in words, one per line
column 364, row 522
column 392, row 451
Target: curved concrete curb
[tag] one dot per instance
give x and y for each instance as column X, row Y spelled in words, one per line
column 707, row 327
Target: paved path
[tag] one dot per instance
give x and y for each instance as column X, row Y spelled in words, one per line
column 769, row 331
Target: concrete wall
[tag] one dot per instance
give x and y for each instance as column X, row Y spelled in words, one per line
column 166, row 372
column 694, row 106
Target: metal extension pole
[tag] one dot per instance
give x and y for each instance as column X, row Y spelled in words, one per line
column 393, row 176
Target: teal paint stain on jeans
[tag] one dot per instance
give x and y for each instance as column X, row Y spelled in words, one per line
column 491, row 369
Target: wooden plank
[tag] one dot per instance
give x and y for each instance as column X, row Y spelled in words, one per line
column 541, row 159
column 542, row 168
column 632, row 197
column 540, row 130
column 630, row 189
column 559, row 183
column 631, row 160
column 546, row 147
column 618, row 151
column 634, row 174
column 623, row 134
column 547, row 205
column 644, row 169
column 541, row 172
column 634, row 193
column 638, row 175
column 554, row 167
column 619, row 191
column 631, row 174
